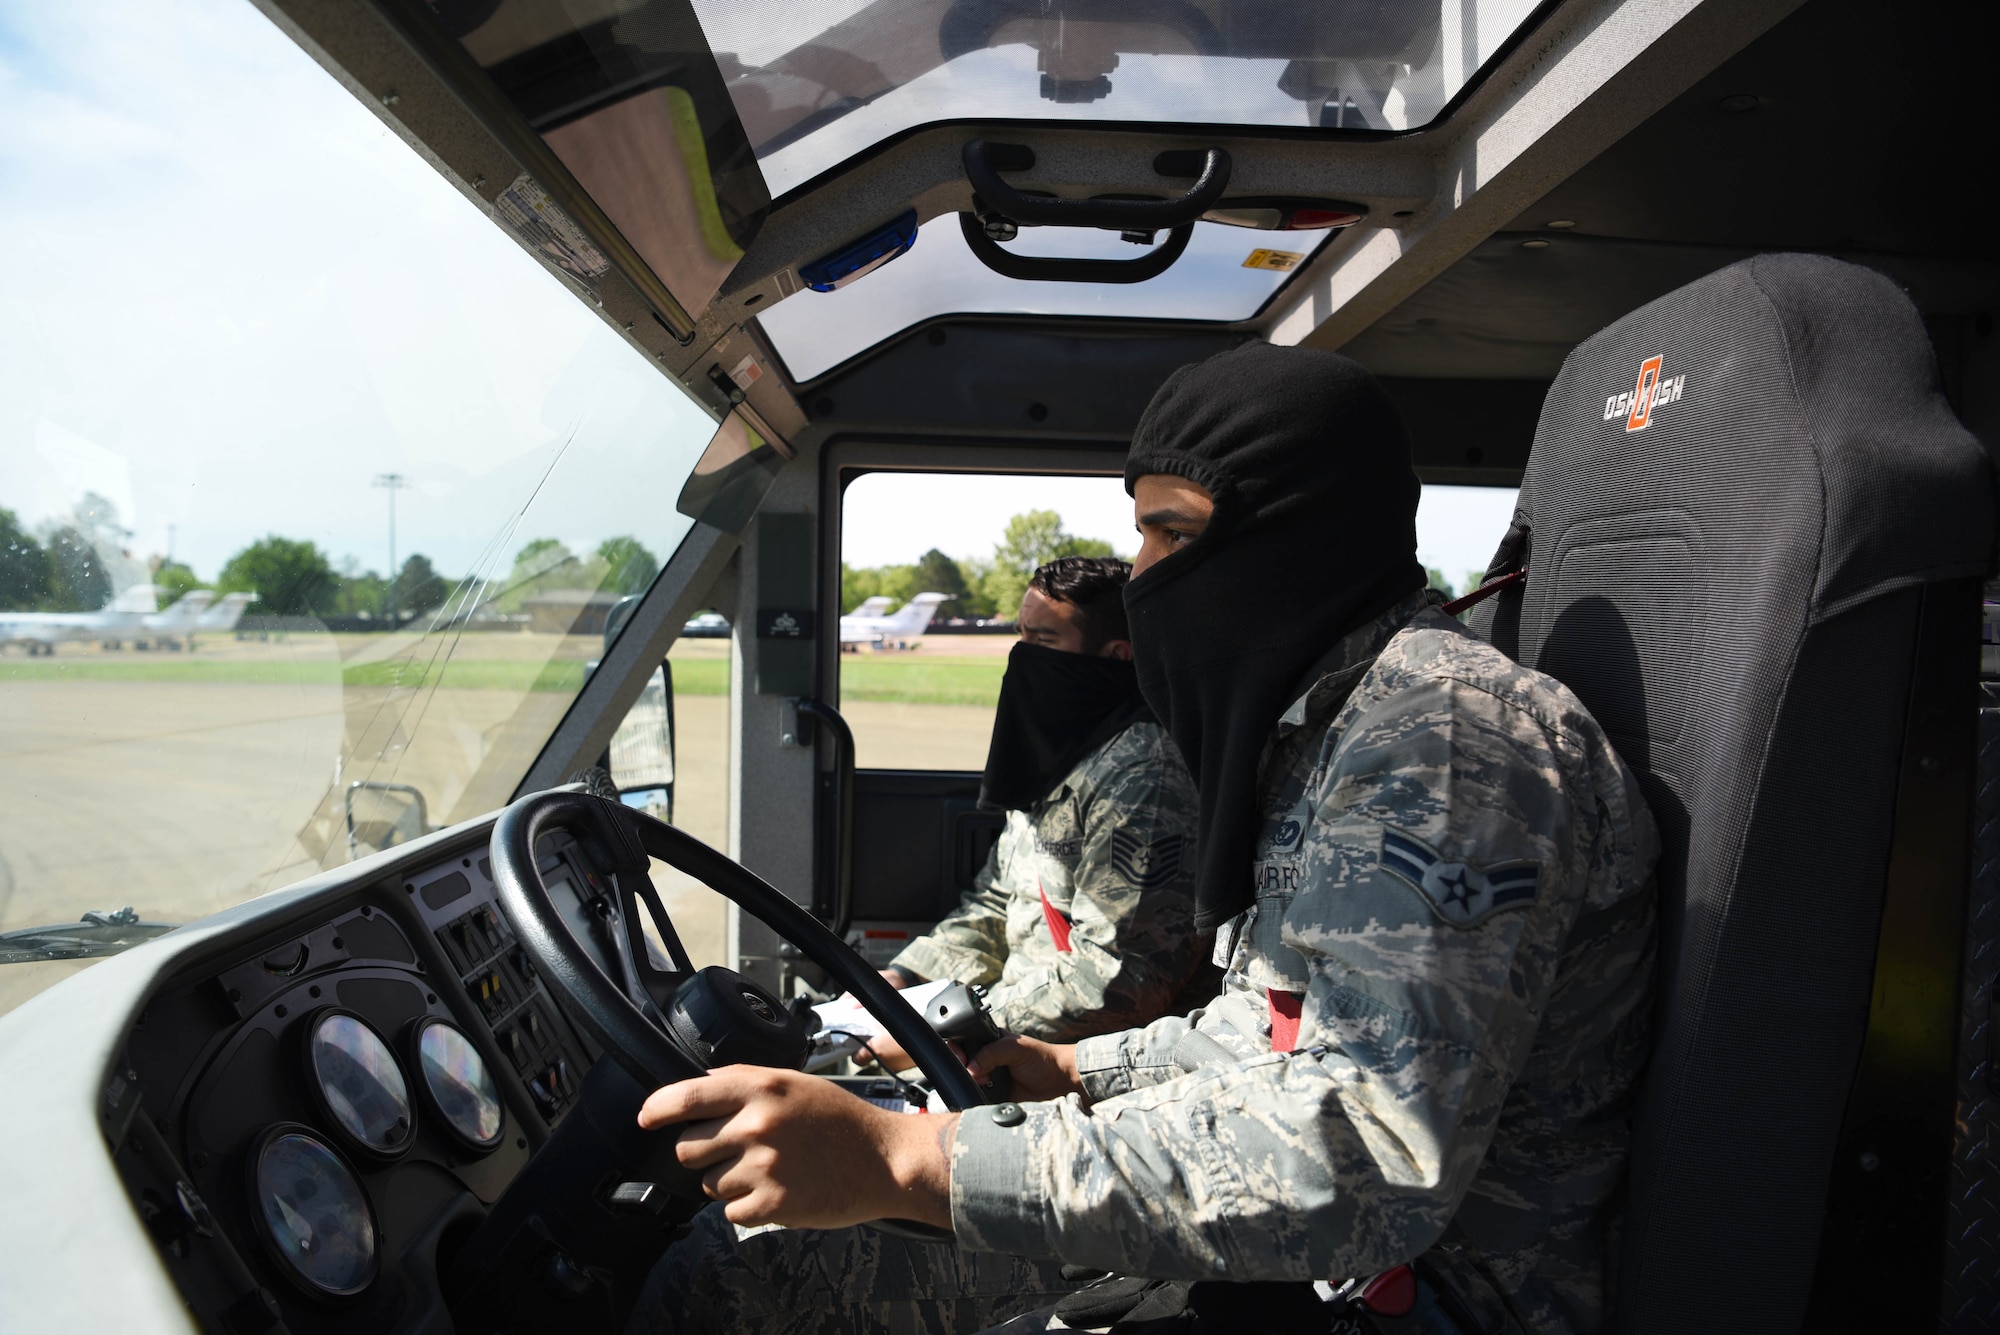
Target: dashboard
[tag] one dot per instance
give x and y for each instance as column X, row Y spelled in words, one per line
column 310, row 1122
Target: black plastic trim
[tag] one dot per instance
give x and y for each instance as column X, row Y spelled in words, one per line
column 1882, row 1248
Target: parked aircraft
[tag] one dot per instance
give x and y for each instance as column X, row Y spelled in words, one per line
column 906, row 624
column 224, row 615
column 128, row 616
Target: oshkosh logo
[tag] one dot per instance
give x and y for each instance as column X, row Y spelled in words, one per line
column 1637, row 404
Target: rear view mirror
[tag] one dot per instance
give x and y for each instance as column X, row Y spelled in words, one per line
column 383, row 815
column 734, row 472
column 642, row 750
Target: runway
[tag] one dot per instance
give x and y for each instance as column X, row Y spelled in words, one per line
column 180, row 785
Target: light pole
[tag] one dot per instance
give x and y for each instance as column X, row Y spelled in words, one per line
column 392, row 483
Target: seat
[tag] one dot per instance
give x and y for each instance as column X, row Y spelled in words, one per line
column 1754, row 534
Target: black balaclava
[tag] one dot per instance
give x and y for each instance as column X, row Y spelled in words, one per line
column 1314, row 534
column 1056, row 707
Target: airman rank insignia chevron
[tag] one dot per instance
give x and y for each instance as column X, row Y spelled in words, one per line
column 1146, row 864
column 1462, row 894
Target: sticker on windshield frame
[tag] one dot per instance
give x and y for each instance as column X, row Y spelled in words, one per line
column 1278, row 261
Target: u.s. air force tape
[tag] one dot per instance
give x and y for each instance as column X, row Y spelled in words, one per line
column 1462, row 893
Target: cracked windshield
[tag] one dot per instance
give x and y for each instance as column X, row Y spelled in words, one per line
column 316, row 490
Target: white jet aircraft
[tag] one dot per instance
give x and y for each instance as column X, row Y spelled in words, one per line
column 224, row 615
column 131, row 613
column 906, row 623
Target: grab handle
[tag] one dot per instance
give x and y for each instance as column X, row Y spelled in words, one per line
column 1035, row 268
column 1123, row 215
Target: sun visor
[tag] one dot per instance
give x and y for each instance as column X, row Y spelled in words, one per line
column 635, row 157
column 733, row 473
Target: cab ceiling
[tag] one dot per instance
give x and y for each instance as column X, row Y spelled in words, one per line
column 1839, row 127
column 1844, row 129
column 1848, row 129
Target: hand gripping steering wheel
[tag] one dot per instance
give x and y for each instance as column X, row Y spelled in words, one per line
column 668, row 1026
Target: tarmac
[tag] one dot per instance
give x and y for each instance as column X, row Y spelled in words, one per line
column 180, row 795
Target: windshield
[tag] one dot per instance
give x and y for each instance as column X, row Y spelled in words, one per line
column 816, row 84
column 310, row 476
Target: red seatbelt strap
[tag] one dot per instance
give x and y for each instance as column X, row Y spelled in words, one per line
column 1483, row 592
column 1058, row 925
column 1284, row 1019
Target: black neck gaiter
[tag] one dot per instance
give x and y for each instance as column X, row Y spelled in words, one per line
column 1055, row 709
column 1314, row 534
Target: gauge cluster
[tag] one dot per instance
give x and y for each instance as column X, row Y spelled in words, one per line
column 311, row 1122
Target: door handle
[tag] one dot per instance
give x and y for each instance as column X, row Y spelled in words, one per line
column 833, row 887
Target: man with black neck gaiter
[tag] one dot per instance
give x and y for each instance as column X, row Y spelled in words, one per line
column 1081, row 921
column 1431, row 882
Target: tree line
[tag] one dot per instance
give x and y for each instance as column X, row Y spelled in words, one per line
column 980, row 588
column 991, row 588
column 62, row 568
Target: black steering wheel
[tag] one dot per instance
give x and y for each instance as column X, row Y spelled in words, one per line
column 666, row 1026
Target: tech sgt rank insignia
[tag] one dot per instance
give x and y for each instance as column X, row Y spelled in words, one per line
column 1147, row 865
column 1462, row 894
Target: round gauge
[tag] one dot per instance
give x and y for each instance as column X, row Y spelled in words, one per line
column 457, row 1085
column 312, row 1214
column 359, row 1084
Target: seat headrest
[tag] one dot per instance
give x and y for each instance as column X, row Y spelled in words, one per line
column 1805, row 380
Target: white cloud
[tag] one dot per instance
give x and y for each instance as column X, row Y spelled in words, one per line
column 228, row 275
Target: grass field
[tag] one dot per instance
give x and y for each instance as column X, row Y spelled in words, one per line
column 921, row 681
column 909, row 680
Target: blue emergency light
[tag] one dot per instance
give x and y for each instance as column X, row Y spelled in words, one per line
column 865, row 256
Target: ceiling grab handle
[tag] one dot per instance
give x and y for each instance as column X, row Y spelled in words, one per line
column 1034, row 268
column 1118, row 215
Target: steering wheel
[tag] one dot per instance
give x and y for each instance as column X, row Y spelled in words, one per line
column 663, row 1027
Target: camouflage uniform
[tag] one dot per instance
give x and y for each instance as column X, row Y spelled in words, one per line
column 1112, row 848
column 1455, row 874
column 847, row 1281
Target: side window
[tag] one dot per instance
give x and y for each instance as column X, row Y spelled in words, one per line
column 1457, row 530
column 932, row 568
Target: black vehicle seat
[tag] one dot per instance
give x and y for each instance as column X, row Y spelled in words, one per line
column 1757, row 583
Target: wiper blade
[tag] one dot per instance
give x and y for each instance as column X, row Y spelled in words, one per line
column 95, row 934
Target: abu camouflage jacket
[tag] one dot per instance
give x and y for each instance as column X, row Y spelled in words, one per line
column 1112, row 848
column 1455, row 901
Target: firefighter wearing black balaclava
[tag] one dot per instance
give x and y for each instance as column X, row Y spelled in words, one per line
column 1430, row 878
column 1081, row 921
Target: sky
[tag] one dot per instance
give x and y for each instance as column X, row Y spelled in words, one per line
column 893, row 518
column 234, row 299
